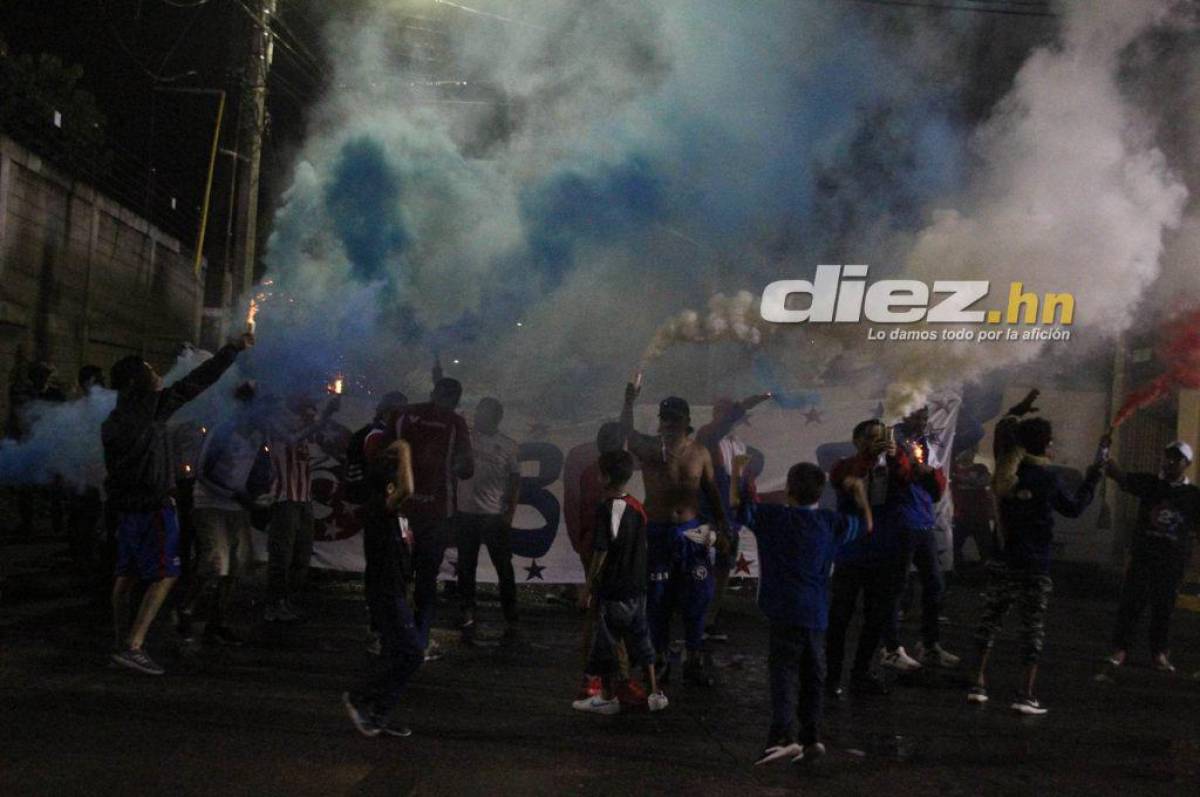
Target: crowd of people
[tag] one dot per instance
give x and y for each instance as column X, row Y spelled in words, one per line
column 182, row 499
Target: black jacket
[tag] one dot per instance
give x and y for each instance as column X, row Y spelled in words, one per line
column 137, row 446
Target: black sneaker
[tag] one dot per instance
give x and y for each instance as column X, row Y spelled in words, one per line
column 698, row 672
column 223, row 635
column 977, row 695
column 869, row 685
column 511, row 634
column 812, row 752
column 714, row 634
column 782, row 750
column 183, row 627
column 467, row 629
column 1029, row 706
column 395, row 729
column 137, row 660
column 360, row 717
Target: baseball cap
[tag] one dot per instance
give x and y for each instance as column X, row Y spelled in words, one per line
column 674, row 406
column 1182, row 447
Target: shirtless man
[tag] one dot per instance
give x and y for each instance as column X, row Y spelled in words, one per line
column 675, row 469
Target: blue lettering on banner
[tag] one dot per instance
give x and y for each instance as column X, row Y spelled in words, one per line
column 536, row 542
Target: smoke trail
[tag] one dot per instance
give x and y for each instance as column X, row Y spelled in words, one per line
column 729, row 318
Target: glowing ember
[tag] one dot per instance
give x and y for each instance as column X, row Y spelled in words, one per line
column 250, row 314
column 919, row 453
column 337, row 386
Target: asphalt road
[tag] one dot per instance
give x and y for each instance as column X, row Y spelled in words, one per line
column 265, row 719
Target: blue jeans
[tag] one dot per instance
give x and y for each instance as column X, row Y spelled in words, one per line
column 681, row 578
column 797, row 672
column 920, row 549
column 403, row 651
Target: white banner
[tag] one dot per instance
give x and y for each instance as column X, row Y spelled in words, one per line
column 542, row 551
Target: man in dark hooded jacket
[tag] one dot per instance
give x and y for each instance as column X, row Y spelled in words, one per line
column 140, row 485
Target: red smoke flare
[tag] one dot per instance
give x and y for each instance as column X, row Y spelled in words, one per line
column 1179, row 350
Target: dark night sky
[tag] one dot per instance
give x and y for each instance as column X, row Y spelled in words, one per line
column 123, row 44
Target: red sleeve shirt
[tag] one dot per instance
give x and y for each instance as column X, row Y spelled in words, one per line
column 435, row 435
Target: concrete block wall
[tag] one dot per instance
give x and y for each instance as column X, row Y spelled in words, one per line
column 84, row 279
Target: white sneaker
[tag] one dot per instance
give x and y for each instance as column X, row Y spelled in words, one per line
column 778, row 752
column 597, row 704
column 978, row 694
column 433, row 651
column 899, row 660
column 657, row 701
column 936, row 656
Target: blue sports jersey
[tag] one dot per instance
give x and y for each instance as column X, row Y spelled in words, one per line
column 796, row 549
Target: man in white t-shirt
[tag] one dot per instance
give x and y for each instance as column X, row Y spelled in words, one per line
column 486, row 503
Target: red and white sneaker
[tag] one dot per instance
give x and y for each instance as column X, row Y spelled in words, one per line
column 631, row 693
column 590, row 687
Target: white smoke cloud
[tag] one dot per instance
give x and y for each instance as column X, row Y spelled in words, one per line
column 1072, row 195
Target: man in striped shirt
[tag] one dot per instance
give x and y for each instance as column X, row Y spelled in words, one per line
column 290, row 535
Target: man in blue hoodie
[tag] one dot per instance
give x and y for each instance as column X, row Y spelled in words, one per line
column 796, row 547
column 1029, row 493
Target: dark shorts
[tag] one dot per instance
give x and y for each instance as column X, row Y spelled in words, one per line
column 618, row 621
column 148, row 544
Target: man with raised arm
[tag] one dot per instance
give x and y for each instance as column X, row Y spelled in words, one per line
column 140, row 485
column 675, row 471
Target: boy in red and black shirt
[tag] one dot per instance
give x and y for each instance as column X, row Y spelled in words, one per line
column 617, row 578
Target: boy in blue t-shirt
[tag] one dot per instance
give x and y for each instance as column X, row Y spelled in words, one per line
column 797, row 544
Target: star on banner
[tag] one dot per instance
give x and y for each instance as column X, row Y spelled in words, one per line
column 534, row 570
column 813, row 415
column 742, row 565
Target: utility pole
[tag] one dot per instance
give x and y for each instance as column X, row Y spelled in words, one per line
column 252, row 120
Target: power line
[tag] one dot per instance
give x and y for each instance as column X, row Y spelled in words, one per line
column 128, row 51
column 954, row 6
column 314, row 73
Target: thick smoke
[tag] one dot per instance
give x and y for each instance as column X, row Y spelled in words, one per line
column 1071, row 194
column 606, row 165
column 63, row 443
